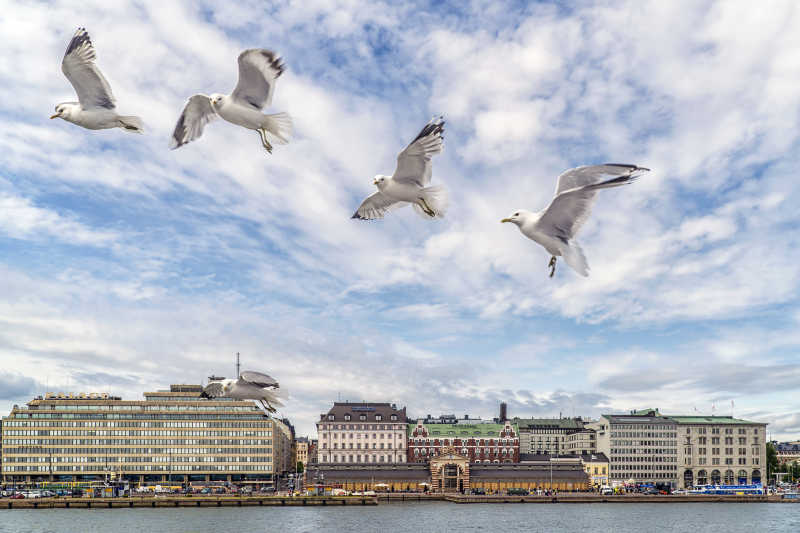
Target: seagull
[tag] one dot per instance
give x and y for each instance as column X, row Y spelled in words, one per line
column 95, row 108
column 258, row 71
column 250, row 386
column 556, row 226
column 411, row 180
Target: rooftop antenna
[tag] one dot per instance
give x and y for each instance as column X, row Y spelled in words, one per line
column 237, row 365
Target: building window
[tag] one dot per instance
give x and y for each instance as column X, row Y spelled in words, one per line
column 347, row 417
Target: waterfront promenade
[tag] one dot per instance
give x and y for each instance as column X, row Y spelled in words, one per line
column 383, row 498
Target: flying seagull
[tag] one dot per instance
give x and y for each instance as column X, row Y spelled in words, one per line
column 259, row 70
column 556, row 226
column 410, row 183
column 95, row 108
column 250, row 386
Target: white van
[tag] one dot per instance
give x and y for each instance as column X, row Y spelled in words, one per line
column 605, row 490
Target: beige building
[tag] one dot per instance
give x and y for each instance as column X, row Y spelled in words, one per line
column 582, row 442
column 552, row 436
column 721, row 450
column 283, row 448
column 362, row 433
column 301, row 450
column 170, row 435
column 682, row 451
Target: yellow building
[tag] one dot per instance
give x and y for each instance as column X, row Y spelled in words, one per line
column 301, row 450
column 596, row 467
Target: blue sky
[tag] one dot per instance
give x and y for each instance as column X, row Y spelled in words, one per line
column 125, row 266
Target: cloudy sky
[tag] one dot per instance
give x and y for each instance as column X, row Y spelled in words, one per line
column 125, row 266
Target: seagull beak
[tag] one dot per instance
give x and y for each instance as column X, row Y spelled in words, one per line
column 374, row 182
column 53, row 116
column 505, row 220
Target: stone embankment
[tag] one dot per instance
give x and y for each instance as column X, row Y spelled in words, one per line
column 183, row 501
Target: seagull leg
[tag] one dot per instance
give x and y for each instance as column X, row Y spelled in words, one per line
column 264, row 142
column 552, row 265
column 426, row 208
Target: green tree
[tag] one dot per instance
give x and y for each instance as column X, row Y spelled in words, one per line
column 299, row 467
column 772, row 462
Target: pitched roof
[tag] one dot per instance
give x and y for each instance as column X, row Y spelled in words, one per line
column 369, row 411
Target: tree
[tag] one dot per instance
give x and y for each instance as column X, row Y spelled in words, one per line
column 772, row 462
column 300, row 467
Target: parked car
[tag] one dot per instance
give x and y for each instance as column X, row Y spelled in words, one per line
column 606, row 491
column 516, row 491
column 17, row 496
column 479, row 491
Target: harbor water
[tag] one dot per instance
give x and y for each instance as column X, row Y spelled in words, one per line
column 417, row 517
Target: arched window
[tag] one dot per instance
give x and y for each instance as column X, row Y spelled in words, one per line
column 715, row 477
column 702, row 477
column 688, row 478
column 729, row 477
column 756, row 478
column 741, row 477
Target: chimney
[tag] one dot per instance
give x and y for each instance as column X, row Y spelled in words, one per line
column 503, row 412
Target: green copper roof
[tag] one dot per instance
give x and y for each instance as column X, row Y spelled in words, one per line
column 560, row 423
column 463, row 430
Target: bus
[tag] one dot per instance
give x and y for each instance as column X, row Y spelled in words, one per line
column 732, row 490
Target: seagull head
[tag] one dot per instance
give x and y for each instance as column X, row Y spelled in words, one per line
column 517, row 217
column 379, row 181
column 216, row 99
column 62, row 111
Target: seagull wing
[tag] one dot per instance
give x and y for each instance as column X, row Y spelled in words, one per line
column 258, row 379
column 258, row 71
column 196, row 114
column 80, row 69
column 376, row 206
column 571, row 207
column 213, row 390
column 587, row 175
column 414, row 163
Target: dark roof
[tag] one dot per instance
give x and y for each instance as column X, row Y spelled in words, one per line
column 548, row 423
column 368, row 410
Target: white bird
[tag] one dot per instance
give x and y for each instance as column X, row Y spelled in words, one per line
column 556, row 226
column 96, row 106
column 410, row 183
column 250, row 386
column 258, row 72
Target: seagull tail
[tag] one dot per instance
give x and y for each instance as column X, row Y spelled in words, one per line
column 131, row 123
column 279, row 127
column 574, row 257
column 432, row 200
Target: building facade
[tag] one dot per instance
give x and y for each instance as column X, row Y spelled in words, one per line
column 362, row 433
column 480, row 443
column 301, row 450
column 553, row 435
column 283, row 447
column 641, row 447
column 682, row 451
column 720, row 450
column 171, row 435
column 787, row 452
column 450, row 471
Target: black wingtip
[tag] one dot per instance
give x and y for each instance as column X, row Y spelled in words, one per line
column 356, row 216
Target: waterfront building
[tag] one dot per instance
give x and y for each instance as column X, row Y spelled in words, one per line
column 641, row 447
column 682, row 451
column 172, row 435
column 787, row 452
column 485, row 443
column 720, row 450
column 362, row 433
column 554, row 436
column 450, row 471
column 301, row 450
column 596, row 466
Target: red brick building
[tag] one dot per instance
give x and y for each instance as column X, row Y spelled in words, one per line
column 482, row 443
